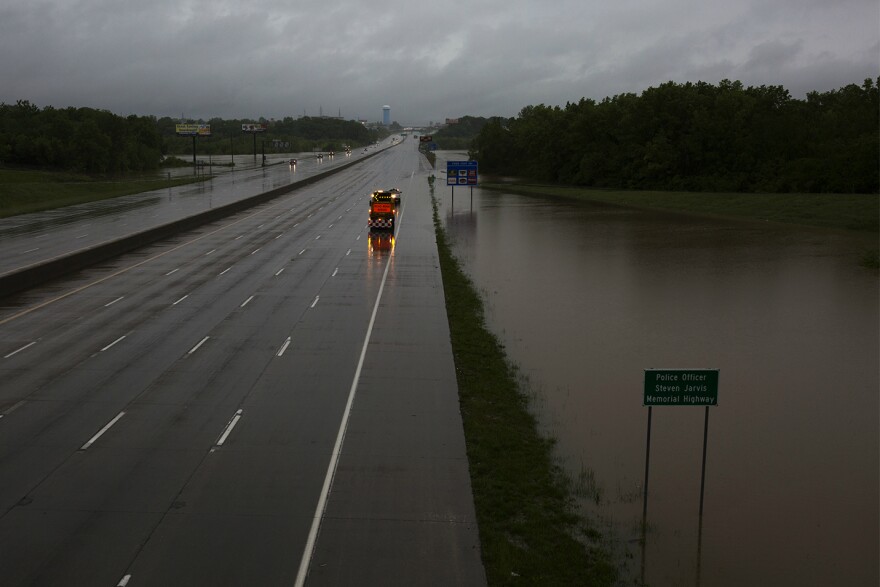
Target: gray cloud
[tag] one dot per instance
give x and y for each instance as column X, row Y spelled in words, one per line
column 427, row 60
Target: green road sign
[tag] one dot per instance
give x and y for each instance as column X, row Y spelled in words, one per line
column 681, row 387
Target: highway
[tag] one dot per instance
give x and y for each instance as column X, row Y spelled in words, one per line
column 267, row 400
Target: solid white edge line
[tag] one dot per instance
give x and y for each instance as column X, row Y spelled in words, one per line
column 124, row 581
column 229, row 428
column 195, row 348
column 101, row 432
column 337, row 447
column 283, row 347
column 15, row 352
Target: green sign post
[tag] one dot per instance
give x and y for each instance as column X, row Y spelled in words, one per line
column 678, row 387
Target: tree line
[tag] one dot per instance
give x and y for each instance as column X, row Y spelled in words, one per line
column 695, row 137
column 296, row 134
column 100, row 142
column 80, row 139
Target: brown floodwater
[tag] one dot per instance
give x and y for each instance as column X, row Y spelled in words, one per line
column 586, row 297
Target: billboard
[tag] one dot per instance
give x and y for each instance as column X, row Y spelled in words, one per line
column 261, row 127
column 193, row 130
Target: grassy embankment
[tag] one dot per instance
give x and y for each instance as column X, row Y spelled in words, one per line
column 530, row 531
column 23, row 191
column 859, row 212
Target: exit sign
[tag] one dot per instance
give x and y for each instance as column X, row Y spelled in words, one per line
column 681, row 387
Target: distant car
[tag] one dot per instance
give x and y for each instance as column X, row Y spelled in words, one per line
column 395, row 195
column 319, row 156
column 293, row 162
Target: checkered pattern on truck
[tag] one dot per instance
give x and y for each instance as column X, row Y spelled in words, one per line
column 381, row 222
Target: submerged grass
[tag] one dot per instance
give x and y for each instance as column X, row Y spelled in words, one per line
column 842, row 211
column 530, row 529
column 23, row 191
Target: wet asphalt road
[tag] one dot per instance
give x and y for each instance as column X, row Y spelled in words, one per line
column 32, row 238
column 176, row 416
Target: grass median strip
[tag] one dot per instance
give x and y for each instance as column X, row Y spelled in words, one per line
column 531, row 532
column 22, row 192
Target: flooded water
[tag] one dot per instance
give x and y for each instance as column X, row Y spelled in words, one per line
column 586, row 297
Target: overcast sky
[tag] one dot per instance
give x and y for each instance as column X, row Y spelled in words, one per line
column 427, row 59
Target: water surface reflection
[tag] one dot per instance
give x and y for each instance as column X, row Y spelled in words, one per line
column 585, row 297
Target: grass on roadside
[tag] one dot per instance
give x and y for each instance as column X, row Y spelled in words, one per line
column 530, row 531
column 844, row 211
column 22, row 192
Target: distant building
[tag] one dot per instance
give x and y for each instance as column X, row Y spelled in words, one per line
column 386, row 115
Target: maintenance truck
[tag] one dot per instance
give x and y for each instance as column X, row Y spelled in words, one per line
column 382, row 211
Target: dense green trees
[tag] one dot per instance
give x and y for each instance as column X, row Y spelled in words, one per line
column 100, row 142
column 696, row 136
column 301, row 134
column 81, row 139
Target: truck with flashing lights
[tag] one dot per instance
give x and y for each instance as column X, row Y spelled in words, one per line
column 383, row 212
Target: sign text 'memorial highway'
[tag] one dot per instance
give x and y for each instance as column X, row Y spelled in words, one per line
column 681, row 387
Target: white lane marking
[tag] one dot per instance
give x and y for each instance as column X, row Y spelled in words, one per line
column 224, row 271
column 81, row 288
column 120, row 339
column 30, row 251
column 295, row 225
column 335, row 271
column 283, row 347
column 107, row 305
column 318, row 237
column 348, row 253
column 209, row 252
column 15, row 352
column 331, row 226
column 260, row 226
column 13, row 408
column 124, row 581
column 309, row 216
column 245, row 303
column 358, row 238
column 101, row 432
column 339, row 218
column 279, row 272
column 172, row 271
column 239, row 236
column 229, row 428
column 195, row 348
column 83, row 236
column 302, row 251
column 257, row 251
column 180, row 300
column 337, row 447
column 315, row 303
column 279, row 236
